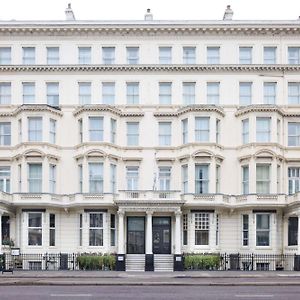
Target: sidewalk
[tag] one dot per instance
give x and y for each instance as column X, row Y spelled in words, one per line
column 106, row 278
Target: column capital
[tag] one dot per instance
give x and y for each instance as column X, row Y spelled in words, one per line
column 149, row 212
column 121, row 212
column 178, row 213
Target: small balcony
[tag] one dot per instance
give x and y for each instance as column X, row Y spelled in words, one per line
column 148, row 195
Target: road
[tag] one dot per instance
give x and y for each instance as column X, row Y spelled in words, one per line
column 149, row 292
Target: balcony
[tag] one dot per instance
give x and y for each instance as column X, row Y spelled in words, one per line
column 149, row 195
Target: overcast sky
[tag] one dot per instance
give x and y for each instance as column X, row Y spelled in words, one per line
column 162, row 9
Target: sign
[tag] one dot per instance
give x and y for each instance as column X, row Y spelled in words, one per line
column 15, row 251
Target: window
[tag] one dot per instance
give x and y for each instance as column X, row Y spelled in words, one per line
column 20, row 130
column 270, row 92
column 5, row 92
column 217, row 230
column 185, row 229
column 132, row 178
column 132, row 93
column 113, row 175
column 132, row 133
column 294, row 179
column 201, row 179
column 80, row 229
column 165, row 55
column 245, row 55
column 52, row 179
column 80, row 176
column 51, row 230
column 5, row 179
column 108, row 93
column 262, row 229
column 28, row 92
column 164, row 178
column 263, row 130
column 218, row 131
column 35, row 233
column 132, row 55
column 262, row 179
column 188, row 93
column 278, row 131
column 5, row 55
column 84, row 93
column 218, row 179
column 294, row 93
column 52, row 131
column 165, row 93
column 245, row 180
column 53, row 93
column 293, row 134
column 213, row 55
column 245, row 237
column 184, row 178
column 20, row 178
column 113, row 230
column 52, row 55
column 213, row 92
column 294, row 55
column 184, row 126
column 278, row 179
column 270, row 55
column 245, row 93
column 201, row 229
column 113, row 130
column 28, row 55
column 84, row 55
column 96, row 129
column 5, row 134
column 80, row 131
column 245, row 131
column 108, row 55
column 202, row 129
column 96, row 229
column 96, row 178
column 293, row 231
column 189, row 55
column 35, row 175
column 35, row 129
column 165, row 133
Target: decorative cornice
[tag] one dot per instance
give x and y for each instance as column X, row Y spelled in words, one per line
column 32, row 108
column 106, row 108
column 191, row 108
column 153, row 28
column 151, row 68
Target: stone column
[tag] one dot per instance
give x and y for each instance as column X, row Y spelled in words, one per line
column 177, row 232
column 178, row 259
column 149, row 233
column 120, row 263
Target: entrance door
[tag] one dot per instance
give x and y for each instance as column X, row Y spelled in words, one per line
column 135, row 235
column 161, row 235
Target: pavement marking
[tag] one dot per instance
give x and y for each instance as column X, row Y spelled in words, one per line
column 254, row 296
column 71, row 295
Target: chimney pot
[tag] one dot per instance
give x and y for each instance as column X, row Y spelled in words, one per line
column 69, row 13
column 148, row 15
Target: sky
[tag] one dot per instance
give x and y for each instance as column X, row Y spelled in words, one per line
column 161, row 9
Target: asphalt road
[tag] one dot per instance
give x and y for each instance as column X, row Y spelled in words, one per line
column 149, row 292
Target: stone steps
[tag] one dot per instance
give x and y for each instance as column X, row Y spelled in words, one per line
column 163, row 263
column 135, row 262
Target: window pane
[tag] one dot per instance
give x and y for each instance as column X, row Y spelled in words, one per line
column 132, row 89
column 189, row 55
column 28, row 55
column 165, row 93
column 293, row 93
column 5, row 134
column 84, row 93
column 53, row 94
column 52, row 55
column 108, row 55
column 84, row 55
column 213, row 55
column 293, row 55
column 35, row 129
column 5, row 92
column 28, row 92
column 269, row 92
column 165, row 55
column 188, row 93
column 263, row 130
column 5, row 55
column 202, row 129
column 132, row 133
column 245, row 93
column 245, row 55
column 108, row 93
column 270, row 55
column 132, row 55
column 202, row 179
column 165, row 133
column 35, row 178
column 213, row 92
column 96, row 177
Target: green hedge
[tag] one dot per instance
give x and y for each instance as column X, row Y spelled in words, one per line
column 202, row 262
column 96, row 262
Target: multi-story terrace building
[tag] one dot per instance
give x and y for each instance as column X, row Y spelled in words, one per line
column 150, row 137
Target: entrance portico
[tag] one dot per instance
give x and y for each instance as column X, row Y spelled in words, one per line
column 143, row 231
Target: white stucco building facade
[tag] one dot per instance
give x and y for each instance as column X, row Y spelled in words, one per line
column 150, row 137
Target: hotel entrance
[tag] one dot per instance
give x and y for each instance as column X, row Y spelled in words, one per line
column 135, row 235
column 161, row 235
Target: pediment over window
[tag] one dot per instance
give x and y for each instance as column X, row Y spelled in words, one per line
column 266, row 153
column 34, row 153
column 95, row 153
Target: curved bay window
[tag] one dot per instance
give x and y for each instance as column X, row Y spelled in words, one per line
column 202, row 229
column 35, row 234
column 96, row 229
column 201, row 179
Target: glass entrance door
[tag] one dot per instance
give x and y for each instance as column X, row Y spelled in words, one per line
column 161, row 235
column 135, row 235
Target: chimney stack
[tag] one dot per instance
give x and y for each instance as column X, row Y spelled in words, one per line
column 228, row 14
column 69, row 13
column 148, row 15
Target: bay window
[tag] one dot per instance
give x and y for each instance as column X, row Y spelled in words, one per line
column 263, row 179
column 294, row 179
column 201, row 179
column 35, row 232
column 35, row 129
column 96, row 129
column 184, row 178
column 201, row 229
column 35, row 176
column 263, row 229
column 202, row 129
column 96, row 229
column 5, row 179
column 263, row 130
column 96, row 178
column 245, row 180
column 245, row 131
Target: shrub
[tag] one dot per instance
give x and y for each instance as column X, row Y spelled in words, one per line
column 202, row 261
column 91, row 261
